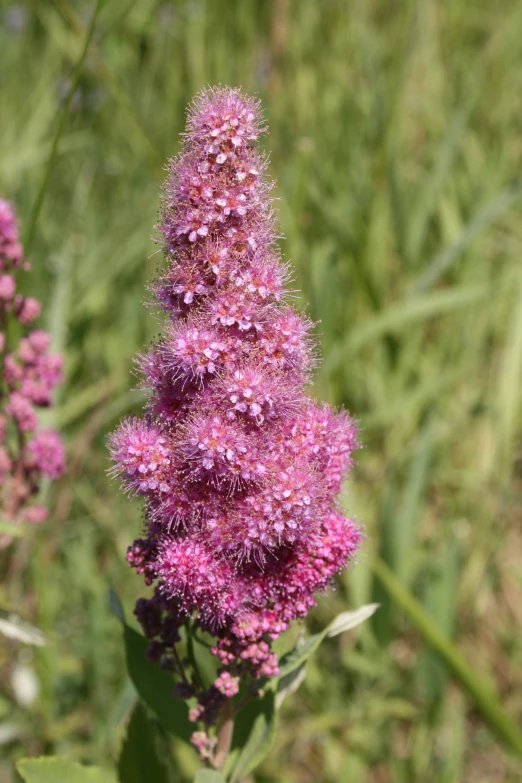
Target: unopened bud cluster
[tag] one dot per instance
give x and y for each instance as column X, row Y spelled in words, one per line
column 239, row 469
column 28, row 375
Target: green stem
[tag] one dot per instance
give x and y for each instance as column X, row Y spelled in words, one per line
column 61, row 124
column 111, row 82
column 179, row 665
column 484, row 698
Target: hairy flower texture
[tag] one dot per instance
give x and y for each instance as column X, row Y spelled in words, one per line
column 239, row 469
column 28, row 375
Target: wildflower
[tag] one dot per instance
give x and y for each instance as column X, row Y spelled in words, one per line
column 28, row 375
column 239, row 469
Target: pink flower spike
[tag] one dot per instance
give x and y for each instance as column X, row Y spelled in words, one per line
column 29, row 374
column 239, row 469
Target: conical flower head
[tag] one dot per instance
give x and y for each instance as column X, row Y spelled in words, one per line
column 240, row 470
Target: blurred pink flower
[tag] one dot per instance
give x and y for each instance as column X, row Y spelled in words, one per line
column 28, row 375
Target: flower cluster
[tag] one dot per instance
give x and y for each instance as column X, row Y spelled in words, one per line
column 240, row 471
column 28, row 375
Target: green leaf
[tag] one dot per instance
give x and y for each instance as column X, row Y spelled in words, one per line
column 155, row 687
column 201, row 659
column 431, row 185
column 59, row 128
column 139, row 759
column 57, row 770
column 404, row 523
column 398, row 316
column 254, row 733
column 289, row 684
column 439, row 600
column 343, row 622
column 443, row 261
column 300, row 654
column 116, row 605
column 348, row 620
column 208, row 776
column 509, row 389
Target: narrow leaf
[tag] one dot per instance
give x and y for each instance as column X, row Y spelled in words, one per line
column 439, row 600
column 289, row 684
column 343, row 622
column 200, row 657
column 138, row 132
column 58, row 770
column 254, row 733
column 300, row 654
column 397, row 208
column 59, row 129
column 405, row 520
column 418, row 309
column 139, row 759
column 156, row 687
column 348, row 620
column 431, row 186
column 116, row 605
column 446, row 258
column 510, row 388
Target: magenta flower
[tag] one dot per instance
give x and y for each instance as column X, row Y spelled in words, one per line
column 28, row 375
column 240, row 470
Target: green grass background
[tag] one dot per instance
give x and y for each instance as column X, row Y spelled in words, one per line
column 396, row 142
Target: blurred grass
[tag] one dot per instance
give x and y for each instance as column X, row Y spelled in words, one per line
column 395, row 137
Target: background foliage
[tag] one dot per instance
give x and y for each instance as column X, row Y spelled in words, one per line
column 395, row 137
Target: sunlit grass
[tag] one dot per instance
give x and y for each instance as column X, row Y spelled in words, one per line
column 395, row 140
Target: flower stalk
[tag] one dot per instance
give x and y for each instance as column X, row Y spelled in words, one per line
column 225, row 732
